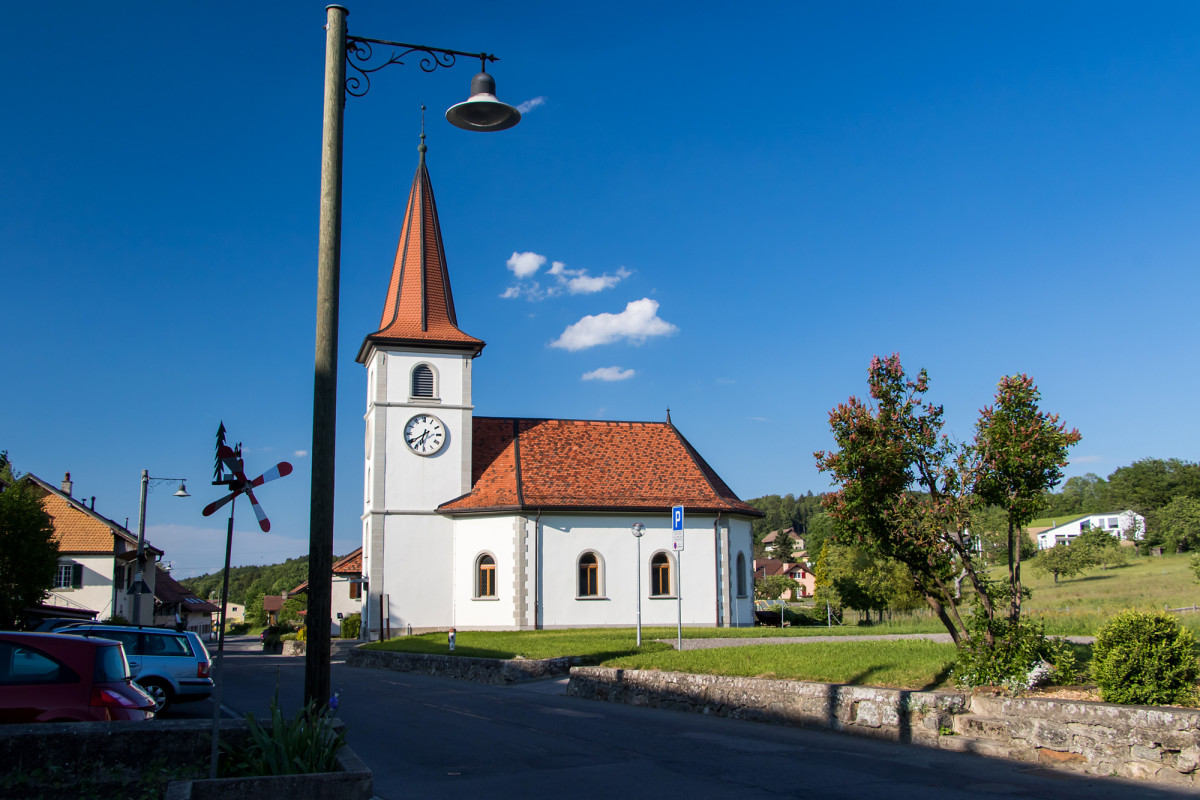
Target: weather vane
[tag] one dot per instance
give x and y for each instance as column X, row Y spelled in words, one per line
column 230, row 471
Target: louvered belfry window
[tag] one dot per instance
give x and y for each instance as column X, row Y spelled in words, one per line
column 422, row 381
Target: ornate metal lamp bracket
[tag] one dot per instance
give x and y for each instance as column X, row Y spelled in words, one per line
column 359, row 54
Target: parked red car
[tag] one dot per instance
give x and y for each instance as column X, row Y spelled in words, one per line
column 50, row 677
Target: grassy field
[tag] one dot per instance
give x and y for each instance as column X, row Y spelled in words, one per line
column 1081, row 605
column 1076, row 606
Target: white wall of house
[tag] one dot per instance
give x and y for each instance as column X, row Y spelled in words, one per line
column 341, row 602
column 1115, row 522
column 96, row 591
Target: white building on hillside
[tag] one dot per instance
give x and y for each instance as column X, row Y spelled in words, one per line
column 1119, row 523
column 515, row 523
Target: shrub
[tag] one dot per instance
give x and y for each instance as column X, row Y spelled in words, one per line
column 273, row 635
column 1020, row 657
column 1145, row 659
column 238, row 628
column 351, row 625
column 307, row 744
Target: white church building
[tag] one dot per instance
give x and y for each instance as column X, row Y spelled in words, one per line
column 494, row 523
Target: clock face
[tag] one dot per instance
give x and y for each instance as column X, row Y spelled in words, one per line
column 425, row 434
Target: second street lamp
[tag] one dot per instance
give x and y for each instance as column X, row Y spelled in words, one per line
column 139, row 587
column 481, row 112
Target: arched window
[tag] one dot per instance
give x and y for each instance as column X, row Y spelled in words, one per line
column 485, row 576
column 660, row 575
column 741, row 575
column 422, row 381
column 589, row 575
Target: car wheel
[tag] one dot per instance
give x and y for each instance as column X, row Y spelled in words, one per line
column 160, row 691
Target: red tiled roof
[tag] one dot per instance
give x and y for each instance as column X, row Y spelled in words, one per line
column 350, row 564
column 169, row 590
column 346, row 565
column 419, row 308
column 589, row 465
column 79, row 529
column 272, row 602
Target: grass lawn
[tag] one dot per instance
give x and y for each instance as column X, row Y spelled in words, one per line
column 910, row 663
column 1076, row 606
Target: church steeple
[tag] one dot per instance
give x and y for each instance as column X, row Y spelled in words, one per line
column 419, row 309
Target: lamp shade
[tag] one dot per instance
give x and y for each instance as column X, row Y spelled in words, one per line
column 482, row 111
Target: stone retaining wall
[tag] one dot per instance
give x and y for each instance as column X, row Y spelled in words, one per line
column 480, row 670
column 1146, row 742
column 1149, row 743
column 897, row 714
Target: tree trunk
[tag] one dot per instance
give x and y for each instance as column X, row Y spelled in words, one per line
column 940, row 612
column 1014, row 558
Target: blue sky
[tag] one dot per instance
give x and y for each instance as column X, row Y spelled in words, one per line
column 726, row 210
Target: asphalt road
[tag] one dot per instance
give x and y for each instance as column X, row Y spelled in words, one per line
column 433, row 737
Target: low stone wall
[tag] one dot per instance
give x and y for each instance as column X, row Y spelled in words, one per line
column 103, row 757
column 1148, row 743
column 480, row 670
column 1145, row 742
column 896, row 714
column 352, row 781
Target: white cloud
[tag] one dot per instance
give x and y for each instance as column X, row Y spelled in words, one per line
column 635, row 324
column 571, row 281
column 300, row 453
column 582, row 283
column 609, row 374
column 525, row 264
column 1087, row 459
column 530, row 105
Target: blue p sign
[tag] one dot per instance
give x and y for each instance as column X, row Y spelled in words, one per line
column 677, row 518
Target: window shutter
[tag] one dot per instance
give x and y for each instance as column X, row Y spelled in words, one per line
column 355, row 591
column 422, row 381
column 76, row 576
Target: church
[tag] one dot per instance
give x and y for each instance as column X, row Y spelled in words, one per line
column 489, row 523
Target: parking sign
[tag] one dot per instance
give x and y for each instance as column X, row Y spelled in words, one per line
column 677, row 518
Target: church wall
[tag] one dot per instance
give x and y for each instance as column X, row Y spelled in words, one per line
column 475, row 537
column 417, row 553
column 566, row 538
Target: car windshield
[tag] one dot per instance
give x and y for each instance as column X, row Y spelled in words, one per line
column 111, row 664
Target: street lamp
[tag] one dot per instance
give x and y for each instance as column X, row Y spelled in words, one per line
column 481, row 112
column 139, row 586
column 638, row 530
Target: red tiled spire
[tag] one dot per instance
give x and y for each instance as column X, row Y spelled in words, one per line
column 419, row 309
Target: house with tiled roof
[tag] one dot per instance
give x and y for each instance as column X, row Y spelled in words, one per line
column 485, row 522
column 800, row 571
column 97, row 558
column 177, row 607
column 345, row 589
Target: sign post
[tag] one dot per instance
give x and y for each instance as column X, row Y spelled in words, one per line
column 677, row 546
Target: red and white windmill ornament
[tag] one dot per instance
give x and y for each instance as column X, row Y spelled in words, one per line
column 229, row 460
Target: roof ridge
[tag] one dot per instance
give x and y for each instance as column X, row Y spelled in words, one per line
column 517, row 462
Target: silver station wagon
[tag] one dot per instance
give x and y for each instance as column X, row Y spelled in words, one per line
column 172, row 666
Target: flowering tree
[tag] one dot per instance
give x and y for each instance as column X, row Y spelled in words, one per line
column 902, row 494
column 1019, row 453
